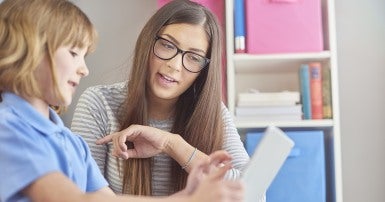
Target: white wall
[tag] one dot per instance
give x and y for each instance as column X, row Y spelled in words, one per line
column 361, row 58
column 118, row 23
column 361, row 52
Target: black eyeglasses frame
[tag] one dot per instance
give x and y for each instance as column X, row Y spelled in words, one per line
column 183, row 52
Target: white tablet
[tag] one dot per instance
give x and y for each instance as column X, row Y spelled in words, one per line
column 268, row 157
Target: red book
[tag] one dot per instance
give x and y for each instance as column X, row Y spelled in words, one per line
column 315, row 72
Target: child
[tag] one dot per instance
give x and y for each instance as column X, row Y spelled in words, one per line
column 42, row 48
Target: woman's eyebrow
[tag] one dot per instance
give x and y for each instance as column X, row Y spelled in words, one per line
column 176, row 42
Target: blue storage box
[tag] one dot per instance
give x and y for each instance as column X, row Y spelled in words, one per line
column 302, row 176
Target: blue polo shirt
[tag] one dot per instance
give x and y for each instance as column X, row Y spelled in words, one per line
column 32, row 146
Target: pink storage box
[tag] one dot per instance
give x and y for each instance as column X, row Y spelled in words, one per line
column 283, row 26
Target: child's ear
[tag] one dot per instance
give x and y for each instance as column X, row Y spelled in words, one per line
column 58, row 109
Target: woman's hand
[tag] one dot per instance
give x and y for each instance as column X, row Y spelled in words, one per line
column 205, row 181
column 147, row 141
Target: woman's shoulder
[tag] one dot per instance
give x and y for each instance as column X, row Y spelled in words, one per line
column 115, row 88
column 224, row 109
column 111, row 94
column 115, row 91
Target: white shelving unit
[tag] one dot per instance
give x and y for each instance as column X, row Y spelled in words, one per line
column 277, row 72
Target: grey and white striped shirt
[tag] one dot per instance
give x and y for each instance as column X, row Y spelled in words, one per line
column 96, row 115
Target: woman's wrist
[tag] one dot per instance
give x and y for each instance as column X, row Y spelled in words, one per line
column 188, row 162
column 181, row 151
column 169, row 144
column 172, row 141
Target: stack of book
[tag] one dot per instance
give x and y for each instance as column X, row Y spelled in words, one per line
column 269, row 106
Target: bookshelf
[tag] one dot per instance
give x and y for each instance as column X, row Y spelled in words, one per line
column 277, row 72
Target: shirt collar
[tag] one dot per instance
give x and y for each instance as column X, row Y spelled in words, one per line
column 28, row 113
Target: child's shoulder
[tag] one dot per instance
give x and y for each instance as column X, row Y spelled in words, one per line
column 9, row 116
column 14, row 110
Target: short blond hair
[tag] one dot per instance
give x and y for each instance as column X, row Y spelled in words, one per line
column 33, row 29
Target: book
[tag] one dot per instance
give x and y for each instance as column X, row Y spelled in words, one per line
column 305, row 91
column 269, row 96
column 326, row 94
column 270, row 117
column 239, row 26
column 315, row 73
column 284, row 98
column 268, row 110
column 246, row 103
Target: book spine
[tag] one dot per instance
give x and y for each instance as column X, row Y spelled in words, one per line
column 239, row 26
column 315, row 73
column 305, row 91
column 326, row 94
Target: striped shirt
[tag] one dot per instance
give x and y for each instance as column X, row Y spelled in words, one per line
column 96, row 115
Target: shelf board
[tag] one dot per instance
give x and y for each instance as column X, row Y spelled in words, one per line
column 249, row 123
column 285, row 56
column 266, row 63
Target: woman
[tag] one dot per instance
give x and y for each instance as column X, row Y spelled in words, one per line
column 174, row 86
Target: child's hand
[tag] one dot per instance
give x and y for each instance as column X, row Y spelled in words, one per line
column 205, row 181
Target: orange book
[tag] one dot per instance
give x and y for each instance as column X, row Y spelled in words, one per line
column 315, row 71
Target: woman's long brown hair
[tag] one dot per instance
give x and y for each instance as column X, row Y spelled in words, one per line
column 198, row 111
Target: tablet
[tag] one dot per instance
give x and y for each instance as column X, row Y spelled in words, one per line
column 268, row 157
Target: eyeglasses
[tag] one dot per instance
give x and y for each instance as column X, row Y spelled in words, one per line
column 166, row 50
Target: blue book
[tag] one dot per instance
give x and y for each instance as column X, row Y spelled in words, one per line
column 239, row 26
column 304, row 78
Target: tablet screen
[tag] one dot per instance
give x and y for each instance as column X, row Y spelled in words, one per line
column 268, row 157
